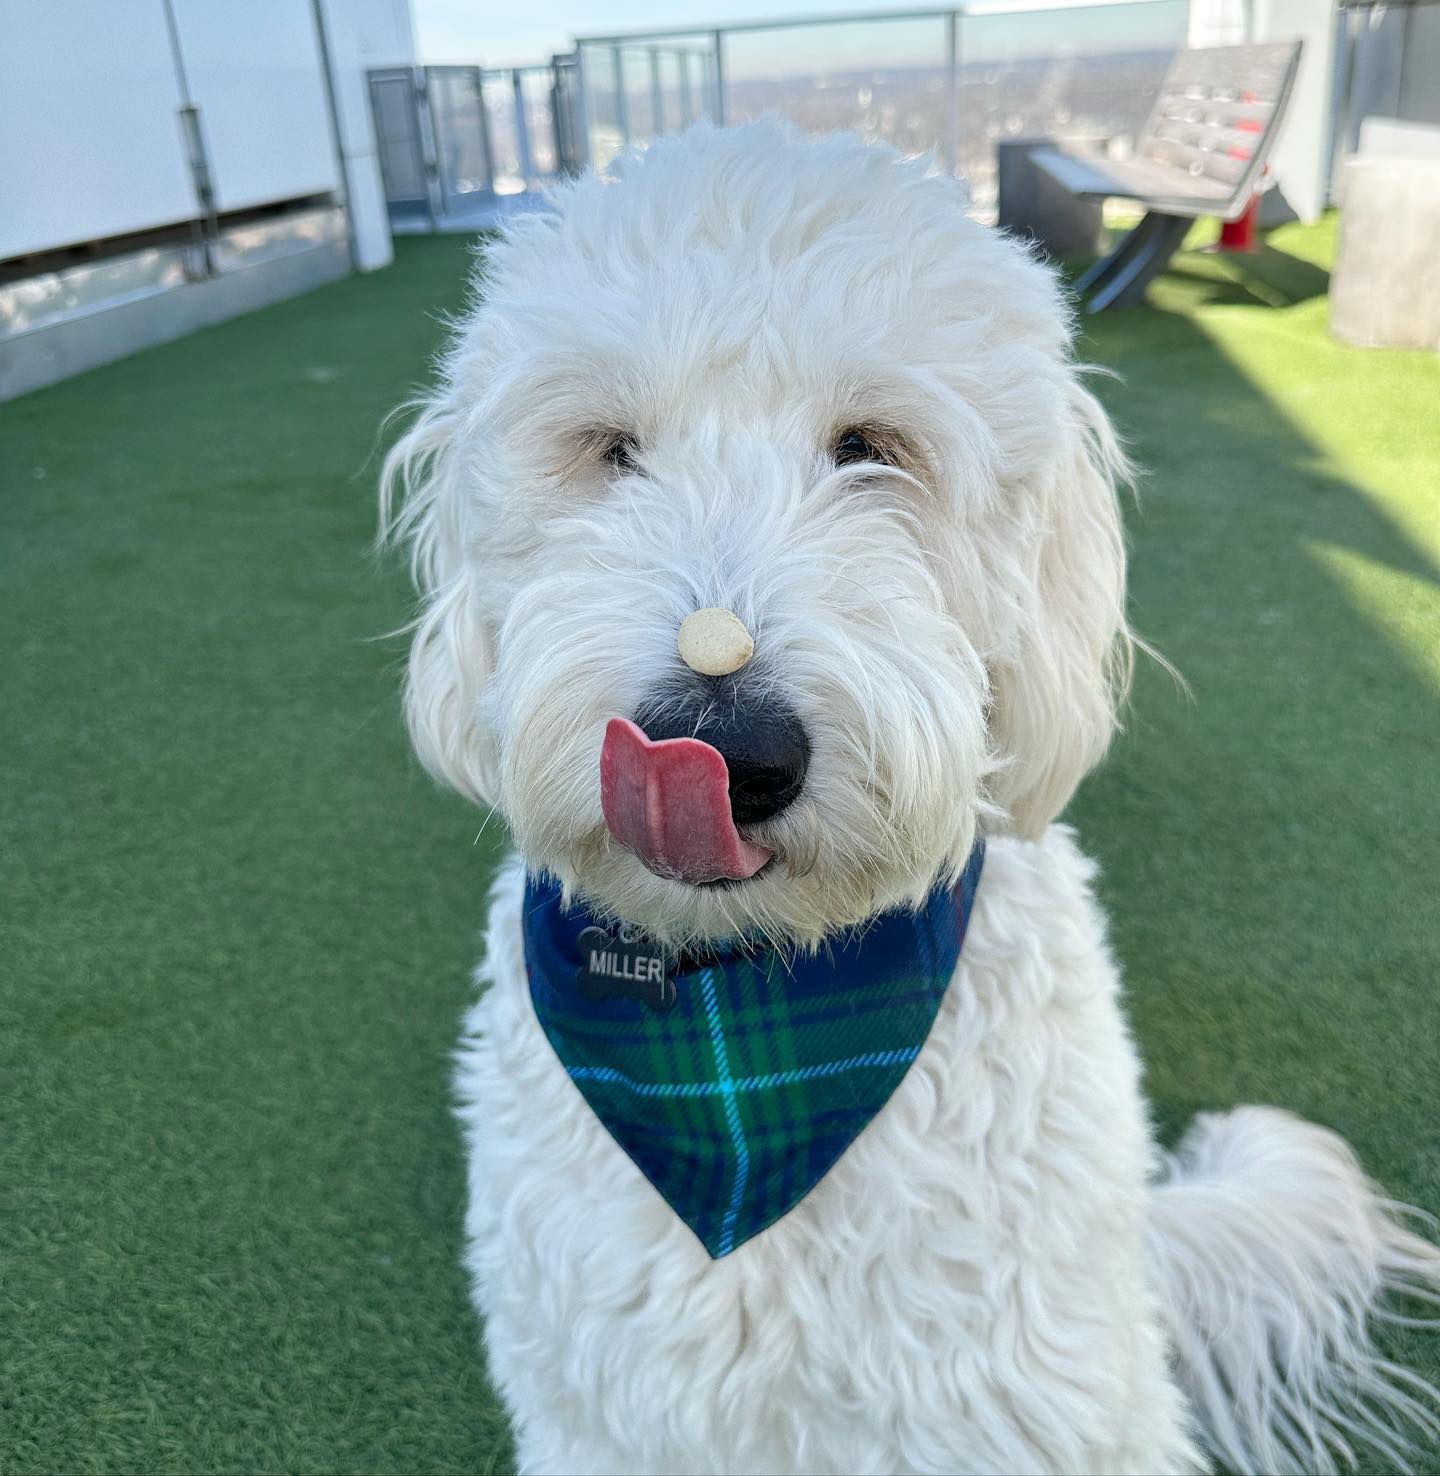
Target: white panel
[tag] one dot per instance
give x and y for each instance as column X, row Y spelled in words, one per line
column 363, row 34
column 254, row 70
column 1300, row 160
column 90, row 143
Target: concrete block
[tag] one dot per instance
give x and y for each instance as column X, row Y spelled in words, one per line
column 1035, row 207
column 1385, row 289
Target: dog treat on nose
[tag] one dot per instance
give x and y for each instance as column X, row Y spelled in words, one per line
column 714, row 642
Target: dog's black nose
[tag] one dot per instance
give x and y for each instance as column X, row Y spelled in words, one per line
column 763, row 743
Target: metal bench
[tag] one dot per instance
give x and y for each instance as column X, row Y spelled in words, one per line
column 1201, row 153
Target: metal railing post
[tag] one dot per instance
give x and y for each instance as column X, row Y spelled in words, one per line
column 428, row 145
column 622, row 105
column 657, row 99
column 952, row 91
column 206, row 229
column 687, row 101
column 583, row 158
column 719, row 40
column 337, row 137
column 522, row 127
column 487, row 152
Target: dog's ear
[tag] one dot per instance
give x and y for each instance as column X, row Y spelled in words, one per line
column 451, row 650
column 1055, row 694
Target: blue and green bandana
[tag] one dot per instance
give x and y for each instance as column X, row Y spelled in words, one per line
column 735, row 1080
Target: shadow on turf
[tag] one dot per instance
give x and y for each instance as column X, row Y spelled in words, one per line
column 1267, row 277
column 1264, row 848
column 1292, row 769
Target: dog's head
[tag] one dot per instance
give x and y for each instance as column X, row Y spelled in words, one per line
column 790, row 379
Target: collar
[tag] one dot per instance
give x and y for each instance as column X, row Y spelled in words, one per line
column 736, row 1079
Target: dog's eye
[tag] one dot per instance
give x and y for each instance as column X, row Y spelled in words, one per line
column 853, row 447
column 621, row 453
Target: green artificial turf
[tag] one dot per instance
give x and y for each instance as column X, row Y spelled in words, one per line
column 236, row 922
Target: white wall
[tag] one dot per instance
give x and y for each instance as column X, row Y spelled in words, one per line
column 254, row 70
column 364, row 34
column 90, row 143
column 90, row 137
column 1301, row 158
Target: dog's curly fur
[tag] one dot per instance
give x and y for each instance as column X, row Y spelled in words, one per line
column 991, row 1279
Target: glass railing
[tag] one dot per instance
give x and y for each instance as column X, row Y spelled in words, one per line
column 629, row 93
column 453, row 140
column 952, row 83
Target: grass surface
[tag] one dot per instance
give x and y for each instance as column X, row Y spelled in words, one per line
column 236, row 923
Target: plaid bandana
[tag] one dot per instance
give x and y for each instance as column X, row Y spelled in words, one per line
column 736, row 1079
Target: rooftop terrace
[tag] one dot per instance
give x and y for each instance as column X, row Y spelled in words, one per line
column 240, row 921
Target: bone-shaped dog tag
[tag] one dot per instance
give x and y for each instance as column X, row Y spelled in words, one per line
column 632, row 968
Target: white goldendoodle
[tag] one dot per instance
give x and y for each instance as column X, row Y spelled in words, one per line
column 804, row 1124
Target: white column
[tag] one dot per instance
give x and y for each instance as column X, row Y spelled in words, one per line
column 364, row 34
column 1301, row 157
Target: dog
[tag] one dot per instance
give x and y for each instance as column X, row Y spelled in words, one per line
column 784, row 386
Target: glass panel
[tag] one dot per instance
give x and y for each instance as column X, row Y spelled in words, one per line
column 885, row 78
column 504, row 142
column 607, row 136
column 695, row 84
column 672, row 107
column 1087, row 73
column 613, row 120
column 459, row 132
column 635, row 68
column 539, row 123
column 392, row 101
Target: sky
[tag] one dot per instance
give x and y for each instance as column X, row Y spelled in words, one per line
column 474, row 30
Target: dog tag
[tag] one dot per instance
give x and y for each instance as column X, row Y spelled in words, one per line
column 612, row 964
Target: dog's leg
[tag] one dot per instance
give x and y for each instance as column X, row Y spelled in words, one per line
column 1271, row 1253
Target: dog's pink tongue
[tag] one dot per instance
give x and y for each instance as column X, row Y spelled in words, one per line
column 669, row 802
